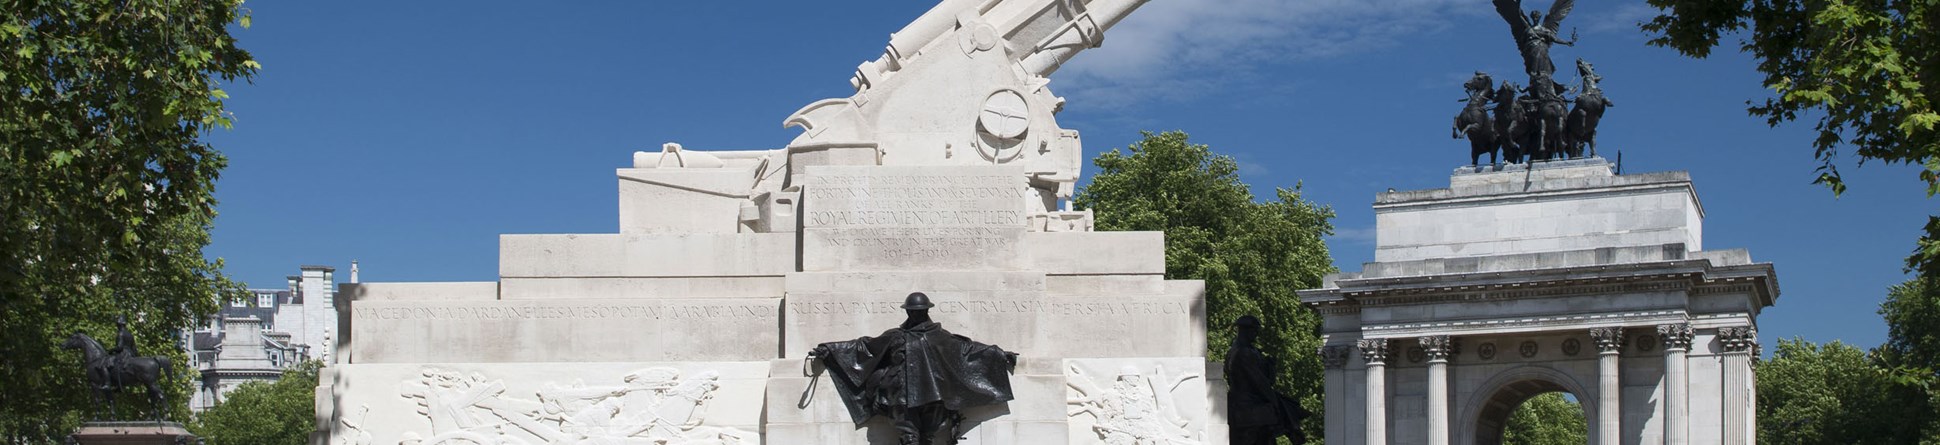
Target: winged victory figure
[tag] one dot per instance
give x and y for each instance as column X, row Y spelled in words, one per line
column 1535, row 33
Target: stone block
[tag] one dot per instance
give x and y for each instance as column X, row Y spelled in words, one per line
column 913, row 218
column 683, row 200
column 1003, row 318
column 810, row 405
column 1171, row 325
column 1115, row 399
column 654, row 287
column 893, row 286
column 540, row 403
column 132, row 433
column 646, row 255
column 1096, row 253
column 1048, row 408
column 1570, row 213
column 565, row 330
column 453, row 291
column 1007, row 309
column 1105, row 284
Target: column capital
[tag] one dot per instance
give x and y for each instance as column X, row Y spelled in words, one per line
column 1335, row 356
column 1738, row 338
column 1676, row 336
column 1374, row 350
column 1609, row 340
column 1438, row 347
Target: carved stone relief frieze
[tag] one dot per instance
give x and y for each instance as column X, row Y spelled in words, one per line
column 1572, row 346
column 1486, row 351
column 1527, row 349
column 1135, row 407
column 353, row 430
column 653, row 405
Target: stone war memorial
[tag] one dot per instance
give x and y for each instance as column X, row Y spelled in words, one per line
column 1534, row 276
column 945, row 173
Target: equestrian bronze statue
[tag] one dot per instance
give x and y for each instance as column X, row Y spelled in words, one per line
column 1540, row 124
column 111, row 370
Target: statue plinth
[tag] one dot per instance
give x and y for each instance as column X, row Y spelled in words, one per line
column 132, row 433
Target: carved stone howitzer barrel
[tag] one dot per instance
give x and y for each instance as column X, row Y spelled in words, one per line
column 964, row 84
column 1045, row 31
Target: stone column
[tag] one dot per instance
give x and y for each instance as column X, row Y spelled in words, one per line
column 1334, row 359
column 1677, row 401
column 1739, row 342
column 1609, row 388
column 1375, row 351
column 1439, row 348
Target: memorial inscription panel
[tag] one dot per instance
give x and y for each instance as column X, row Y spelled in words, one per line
column 564, row 330
column 912, row 218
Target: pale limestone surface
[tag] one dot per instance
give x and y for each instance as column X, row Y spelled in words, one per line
column 1575, row 205
column 944, row 173
column 1522, row 270
column 681, row 402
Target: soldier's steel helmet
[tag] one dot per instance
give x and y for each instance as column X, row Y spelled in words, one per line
column 917, row 301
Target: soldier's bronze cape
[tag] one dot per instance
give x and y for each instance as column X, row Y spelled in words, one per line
column 915, row 367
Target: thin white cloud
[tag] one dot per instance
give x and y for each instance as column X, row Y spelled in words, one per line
column 1249, row 165
column 1175, row 48
column 1623, row 20
column 1352, row 235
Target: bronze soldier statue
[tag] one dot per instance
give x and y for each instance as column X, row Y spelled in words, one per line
column 124, row 349
column 917, row 374
column 1256, row 413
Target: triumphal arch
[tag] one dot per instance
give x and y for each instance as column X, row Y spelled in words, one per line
column 1562, row 277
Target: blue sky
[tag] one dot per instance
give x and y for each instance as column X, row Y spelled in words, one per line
column 409, row 135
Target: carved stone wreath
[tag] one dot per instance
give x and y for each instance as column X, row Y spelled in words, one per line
column 1528, row 349
column 1416, row 354
column 1646, row 343
column 1487, row 351
column 1572, row 346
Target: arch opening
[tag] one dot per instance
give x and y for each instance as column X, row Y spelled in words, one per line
column 1532, row 412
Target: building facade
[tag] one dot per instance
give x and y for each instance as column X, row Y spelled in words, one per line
column 257, row 337
column 1564, row 277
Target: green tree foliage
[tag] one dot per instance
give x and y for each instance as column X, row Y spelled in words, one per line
column 1252, row 255
column 1547, row 419
column 1866, row 70
column 1911, row 355
column 1912, row 313
column 1832, row 394
column 105, row 188
column 258, row 413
